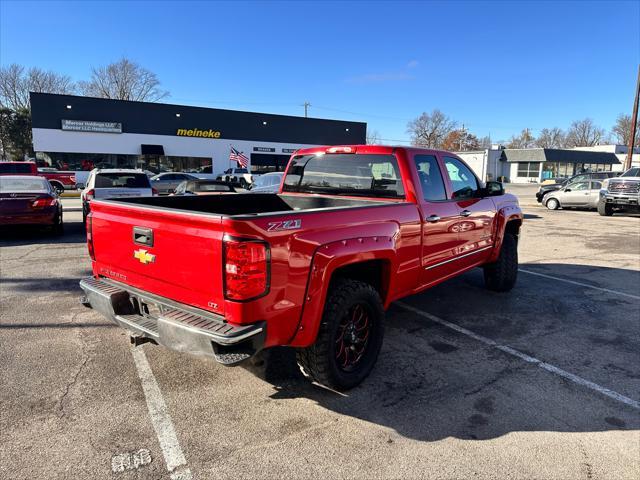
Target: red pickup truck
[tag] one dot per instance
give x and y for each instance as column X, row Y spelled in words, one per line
column 59, row 180
column 314, row 266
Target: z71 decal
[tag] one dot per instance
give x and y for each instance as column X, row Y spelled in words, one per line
column 284, row 225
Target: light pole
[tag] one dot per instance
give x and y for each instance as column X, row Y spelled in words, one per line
column 634, row 123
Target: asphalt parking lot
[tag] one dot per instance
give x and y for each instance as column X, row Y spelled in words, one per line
column 542, row 382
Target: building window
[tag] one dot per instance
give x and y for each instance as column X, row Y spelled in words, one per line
column 528, row 169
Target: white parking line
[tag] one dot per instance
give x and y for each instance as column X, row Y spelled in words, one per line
column 160, row 418
column 527, row 358
column 635, row 297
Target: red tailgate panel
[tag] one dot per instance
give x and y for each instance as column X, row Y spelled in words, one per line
column 184, row 264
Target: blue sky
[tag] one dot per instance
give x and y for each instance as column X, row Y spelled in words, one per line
column 497, row 67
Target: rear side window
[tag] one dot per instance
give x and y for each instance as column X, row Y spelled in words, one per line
column 430, row 178
column 462, row 179
column 345, row 174
column 34, row 184
column 7, row 167
column 122, row 180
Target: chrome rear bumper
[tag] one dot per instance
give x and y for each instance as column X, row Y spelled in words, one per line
column 171, row 324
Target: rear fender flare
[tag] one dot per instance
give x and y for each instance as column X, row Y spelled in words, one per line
column 326, row 260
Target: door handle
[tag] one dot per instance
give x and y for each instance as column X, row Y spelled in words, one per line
column 433, row 219
column 465, row 213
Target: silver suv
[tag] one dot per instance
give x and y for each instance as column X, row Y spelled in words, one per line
column 621, row 193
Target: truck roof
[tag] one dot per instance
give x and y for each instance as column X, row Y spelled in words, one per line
column 370, row 149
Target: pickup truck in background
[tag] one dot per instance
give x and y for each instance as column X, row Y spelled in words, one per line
column 621, row 194
column 313, row 267
column 59, row 180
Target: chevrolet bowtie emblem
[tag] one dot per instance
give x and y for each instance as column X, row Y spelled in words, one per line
column 143, row 256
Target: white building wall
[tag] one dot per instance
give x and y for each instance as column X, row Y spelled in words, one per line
column 50, row 140
column 486, row 164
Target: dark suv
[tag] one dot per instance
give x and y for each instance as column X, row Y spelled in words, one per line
column 582, row 177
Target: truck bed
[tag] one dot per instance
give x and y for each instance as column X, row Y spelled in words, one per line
column 247, row 204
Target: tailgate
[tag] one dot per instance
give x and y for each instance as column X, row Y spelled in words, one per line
column 174, row 255
column 16, row 203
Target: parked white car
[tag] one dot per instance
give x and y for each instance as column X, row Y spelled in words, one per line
column 237, row 176
column 114, row 183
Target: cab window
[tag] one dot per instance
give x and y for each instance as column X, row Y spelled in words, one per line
column 430, row 178
column 464, row 182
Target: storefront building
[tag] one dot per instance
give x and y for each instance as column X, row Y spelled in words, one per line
column 533, row 165
column 81, row 133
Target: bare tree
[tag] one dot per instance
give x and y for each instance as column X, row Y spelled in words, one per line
column 484, row 142
column 524, row 140
column 622, row 130
column 584, row 133
column 123, row 80
column 460, row 141
column 430, row 129
column 16, row 82
column 550, row 138
column 373, row 137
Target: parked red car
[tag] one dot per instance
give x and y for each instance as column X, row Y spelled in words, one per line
column 313, row 267
column 29, row 200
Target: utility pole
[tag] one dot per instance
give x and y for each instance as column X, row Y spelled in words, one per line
column 306, row 105
column 634, row 123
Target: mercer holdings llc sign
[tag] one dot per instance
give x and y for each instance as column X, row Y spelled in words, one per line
column 195, row 132
column 92, row 126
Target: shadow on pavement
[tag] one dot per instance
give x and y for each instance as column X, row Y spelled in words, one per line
column 45, row 285
column 431, row 383
column 18, row 235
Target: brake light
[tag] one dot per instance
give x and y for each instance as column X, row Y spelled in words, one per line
column 43, row 202
column 89, row 195
column 92, row 254
column 341, row 150
column 154, row 192
column 246, row 269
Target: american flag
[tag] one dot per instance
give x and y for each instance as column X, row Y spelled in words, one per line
column 241, row 158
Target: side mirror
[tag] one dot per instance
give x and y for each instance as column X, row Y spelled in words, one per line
column 567, row 189
column 494, row 189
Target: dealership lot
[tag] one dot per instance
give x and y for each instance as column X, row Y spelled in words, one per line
column 542, row 382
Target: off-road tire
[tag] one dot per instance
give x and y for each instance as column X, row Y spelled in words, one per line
column 604, row 209
column 552, row 204
column 501, row 275
column 318, row 362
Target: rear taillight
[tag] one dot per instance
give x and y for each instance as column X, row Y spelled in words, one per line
column 154, row 192
column 246, row 269
column 90, row 237
column 89, row 195
column 43, row 202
